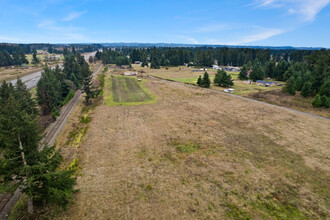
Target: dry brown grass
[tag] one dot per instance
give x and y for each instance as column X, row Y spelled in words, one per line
column 14, row 72
column 278, row 97
column 196, row 154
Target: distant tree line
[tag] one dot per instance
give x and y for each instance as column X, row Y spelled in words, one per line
column 207, row 56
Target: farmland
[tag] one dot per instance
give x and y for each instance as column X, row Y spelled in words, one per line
column 125, row 91
column 273, row 95
column 197, row 154
column 186, row 75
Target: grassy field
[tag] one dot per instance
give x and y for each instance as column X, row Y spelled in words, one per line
column 273, row 95
column 121, row 90
column 186, row 75
column 196, row 154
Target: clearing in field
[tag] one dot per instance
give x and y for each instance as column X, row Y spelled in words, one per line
column 125, row 91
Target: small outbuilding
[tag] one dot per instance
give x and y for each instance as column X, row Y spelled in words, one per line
column 267, row 83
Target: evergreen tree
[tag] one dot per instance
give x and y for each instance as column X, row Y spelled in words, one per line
column 87, row 82
column 223, row 79
column 290, row 86
column 155, row 59
column 299, row 83
column 48, row 91
column 199, row 81
column 35, row 59
column 317, row 102
column 243, row 74
column 206, row 82
column 307, row 90
column 36, row 173
column 257, row 73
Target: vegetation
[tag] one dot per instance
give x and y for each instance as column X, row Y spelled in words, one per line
column 125, row 91
column 223, row 79
column 22, row 164
column 205, row 81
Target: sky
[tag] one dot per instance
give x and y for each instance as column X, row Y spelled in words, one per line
column 299, row 23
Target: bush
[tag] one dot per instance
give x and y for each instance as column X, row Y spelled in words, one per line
column 317, row 101
column 55, row 113
column 68, row 98
column 325, row 101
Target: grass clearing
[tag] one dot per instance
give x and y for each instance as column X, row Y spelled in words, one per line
column 121, row 90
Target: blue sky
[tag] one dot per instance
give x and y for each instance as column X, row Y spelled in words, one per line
column 231, row 22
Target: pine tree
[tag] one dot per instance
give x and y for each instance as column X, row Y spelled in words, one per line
column 306, row 90
column 35, row 59
column 48, row 91
column 87, row 83
column 317, row 102
column 298, row 83
column 36, row 172
column 223, row 79
column 199, row 81
column 257, row 73
column 206, row 82
column 243, row 74
column 290, row 86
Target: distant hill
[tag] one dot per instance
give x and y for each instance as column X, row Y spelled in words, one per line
column 206, row 45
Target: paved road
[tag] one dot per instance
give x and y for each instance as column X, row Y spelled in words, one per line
column 244, row 98
column 31, row 80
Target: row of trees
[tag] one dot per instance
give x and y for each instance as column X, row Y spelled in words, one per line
column 109, row 56
column 205, row 56
column 16, row 58
column 36, row 172
column 221, row 79
column 56, row 85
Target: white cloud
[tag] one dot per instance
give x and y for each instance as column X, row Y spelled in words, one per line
column 73, row 15
column 52, row 26
column 306, row 9
column 262, row 35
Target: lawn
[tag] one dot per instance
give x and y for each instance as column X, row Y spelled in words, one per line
column 125, row 91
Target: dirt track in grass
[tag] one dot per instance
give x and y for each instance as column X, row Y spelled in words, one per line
column 199, row 154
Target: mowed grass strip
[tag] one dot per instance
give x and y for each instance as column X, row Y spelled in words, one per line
column 126, row 91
